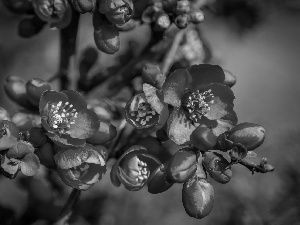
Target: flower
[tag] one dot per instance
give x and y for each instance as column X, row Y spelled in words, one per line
column 20, row 157
column 81, row 167
column 66, row 119
column 9, row 134
column 147, row 110
column 133, row 168
column 198, row 97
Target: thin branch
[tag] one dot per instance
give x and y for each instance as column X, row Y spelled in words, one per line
column 68, row 38
column 67, row 210
column 256, row 168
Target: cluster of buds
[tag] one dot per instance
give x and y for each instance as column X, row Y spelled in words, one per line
column 69, row 137
column 162, row 13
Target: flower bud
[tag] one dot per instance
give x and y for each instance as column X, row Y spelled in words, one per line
column 4, row 115
column 106, row 35
column 217, row 167
column 15, row 88
column 203, row 138
column 133, row 168
column 152, row 75
column 46, row 155
column 35, row 88
column 29, row 27
column 182, row 21
column 196, row 16
column 36, row 136
column 162, row 21
column 182, row 165
column 169, row 5
column 230, row 79
column 25, row 121
column 84, row 6
column 198, row 198
column 50, row 10
column 159, row 181
column 117, row 11
column 183, row 7
column 19, row 6
column 248, row 134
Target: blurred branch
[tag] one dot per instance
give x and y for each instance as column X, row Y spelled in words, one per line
column 68, row 38
column 67, row 210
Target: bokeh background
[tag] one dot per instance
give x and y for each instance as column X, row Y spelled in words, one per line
column 262, row 49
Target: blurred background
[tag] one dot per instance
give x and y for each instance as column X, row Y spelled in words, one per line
column 258, row 41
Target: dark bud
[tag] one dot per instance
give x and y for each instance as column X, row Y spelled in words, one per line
column 248, row 134
column 19, row 6
column 196, row 16
column 88, row 59
column 36, row 136
column 183, row 7
column 84, row 6
column 106, row 35
column 152, row 75
column 35, row 88
column 159, row 181
column 217, row 167
column 46, row 155
column 169, row 5
column 182, row 166
column 230, row 79
column 29, row 27
column 203, row 138
column 198, row 198
column 182, row 21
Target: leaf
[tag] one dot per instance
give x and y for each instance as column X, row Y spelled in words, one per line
column 19, row 150
column 7, row 142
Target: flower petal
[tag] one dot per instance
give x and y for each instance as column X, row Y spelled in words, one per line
column 222, row 101
column 68, row 178
column 205, row 74
column 179, row 127
column 20, row 150
column 53, row 97
column 75, row 99
column 105, row 133
column 174, row 87
column 30, row 164
column 94, row 174
column 7, row 142
column 85, row 125
column 9, row 167
column 72, row 157
column 65, row 141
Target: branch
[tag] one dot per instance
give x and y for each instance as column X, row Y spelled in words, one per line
column 67, row 210
column 264, row 167
column 68, row 37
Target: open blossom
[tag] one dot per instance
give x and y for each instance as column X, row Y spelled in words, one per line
column 198, row 97
column 82, row 167
column 66, row 118
column 133, row 168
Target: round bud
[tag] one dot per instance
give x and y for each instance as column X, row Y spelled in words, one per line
column 29, row 27
column 203, row 138
column 106, row 35
column 35, row 88
column 152, row 75
column 182, row 166
column 198, row 198
column 183, row 7
column 162, row 21
column 196, row 16
column 230, row 79
column 248, row 134
column 46, row 155
column 84, row 6
column 217, row 167
column 182, row 21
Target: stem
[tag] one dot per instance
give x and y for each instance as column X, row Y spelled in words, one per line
column 68, row 37
column 67, row 210
column 254, row 167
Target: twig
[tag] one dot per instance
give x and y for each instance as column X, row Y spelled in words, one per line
column 171, row 54
column 68, row 38
column 67, row 210
column 255, row 168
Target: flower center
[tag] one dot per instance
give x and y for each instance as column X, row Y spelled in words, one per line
column 60, row 117
column 144, row 113
column 197, row 104
column 143, row 171
column 80, row 171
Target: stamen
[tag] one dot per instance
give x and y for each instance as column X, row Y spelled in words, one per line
column 197, row 104
column 61, row 116
column 144, row 113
